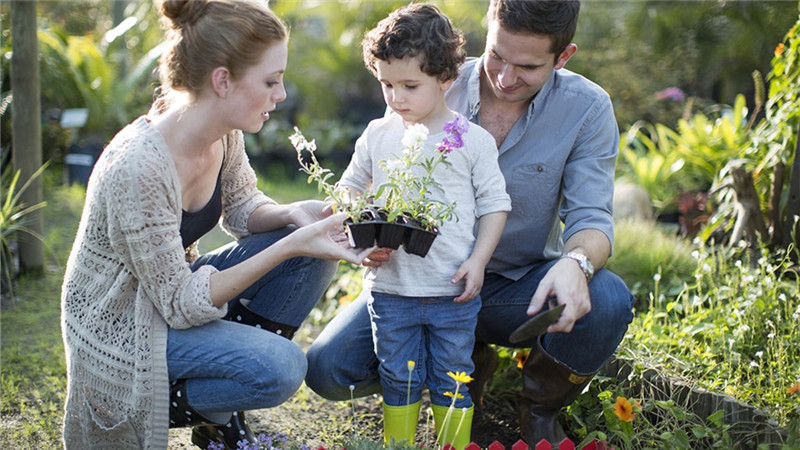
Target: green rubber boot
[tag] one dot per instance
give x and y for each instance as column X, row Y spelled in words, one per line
column 400, row 422
column 456, row 428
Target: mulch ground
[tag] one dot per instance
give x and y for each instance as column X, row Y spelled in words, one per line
column 311, row 420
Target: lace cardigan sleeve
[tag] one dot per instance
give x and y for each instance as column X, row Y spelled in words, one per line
column 240, row 194
column 142, row 196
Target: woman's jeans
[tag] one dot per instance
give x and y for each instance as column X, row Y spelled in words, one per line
column 342, row 355
column 435, row 333
column 230, row 366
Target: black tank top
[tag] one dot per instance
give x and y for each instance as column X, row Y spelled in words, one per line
column 195, row 224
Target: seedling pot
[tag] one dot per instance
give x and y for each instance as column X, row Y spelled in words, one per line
column 419, row 241
column 362, row 234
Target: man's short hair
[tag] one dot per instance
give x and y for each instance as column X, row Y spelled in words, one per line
column 555, row 18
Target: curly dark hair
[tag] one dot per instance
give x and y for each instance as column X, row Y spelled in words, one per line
column 555, row 18
column 417, row 30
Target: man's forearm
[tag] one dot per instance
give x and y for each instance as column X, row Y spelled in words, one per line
column 592, row 243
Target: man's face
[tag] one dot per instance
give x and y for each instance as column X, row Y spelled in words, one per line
column 517, row 65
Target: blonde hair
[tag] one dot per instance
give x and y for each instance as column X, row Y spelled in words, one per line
column 205, row 34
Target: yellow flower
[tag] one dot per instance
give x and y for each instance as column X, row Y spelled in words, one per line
column 411, row 365
column 779, row 49
column 623, row 409
column 450, row 394
column 520, row 357
column 793, row 389
column 460, row 377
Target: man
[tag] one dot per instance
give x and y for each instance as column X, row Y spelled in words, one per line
column 557, row 139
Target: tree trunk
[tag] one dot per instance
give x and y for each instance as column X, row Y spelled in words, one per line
column 750, row 225
column 791, row 230
column 26, row 125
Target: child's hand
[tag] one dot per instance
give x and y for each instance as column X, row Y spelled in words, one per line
column 377, row 257
column 472, row 272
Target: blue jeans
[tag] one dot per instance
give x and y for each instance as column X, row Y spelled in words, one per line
column 342, row 355
column 434, row 332
column 230, row 366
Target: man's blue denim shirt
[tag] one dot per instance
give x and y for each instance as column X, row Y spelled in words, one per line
column 558, row 161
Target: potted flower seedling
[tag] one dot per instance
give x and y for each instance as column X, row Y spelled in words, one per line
column 362, row 217
column 410, row 187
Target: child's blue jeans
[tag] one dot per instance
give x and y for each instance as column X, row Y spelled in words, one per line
column 230, row 366
column 435, row 333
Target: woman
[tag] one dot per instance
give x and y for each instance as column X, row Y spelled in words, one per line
column 145, row 349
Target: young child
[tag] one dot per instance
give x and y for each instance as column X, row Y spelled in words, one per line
column 424, row 310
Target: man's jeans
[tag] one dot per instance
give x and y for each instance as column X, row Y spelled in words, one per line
column 434, row 332
column 342, row 355
column 230, row 366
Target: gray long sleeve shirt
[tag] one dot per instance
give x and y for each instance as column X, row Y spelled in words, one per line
column 472, row 180
column 558, row 162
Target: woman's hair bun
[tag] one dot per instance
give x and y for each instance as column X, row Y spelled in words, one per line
column 183, row 12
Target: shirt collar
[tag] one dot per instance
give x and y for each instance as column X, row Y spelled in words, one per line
column 543, row 93
column 474, row 89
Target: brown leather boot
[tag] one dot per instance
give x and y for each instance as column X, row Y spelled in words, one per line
column 547, row 386
column 484, row 357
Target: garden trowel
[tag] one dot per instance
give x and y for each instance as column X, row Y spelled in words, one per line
column 536, row 325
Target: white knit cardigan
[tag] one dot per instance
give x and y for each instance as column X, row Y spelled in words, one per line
column 128, row 280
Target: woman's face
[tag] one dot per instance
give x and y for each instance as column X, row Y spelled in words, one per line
column 256, row 93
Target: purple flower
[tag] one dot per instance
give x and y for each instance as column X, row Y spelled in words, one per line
column 244, row 445
column 216, row 446
column 455, row 129
column 671, row 93
column 264, row 440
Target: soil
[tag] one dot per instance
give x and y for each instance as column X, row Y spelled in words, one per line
column 311, row 420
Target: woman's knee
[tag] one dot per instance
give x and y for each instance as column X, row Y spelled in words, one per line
column 280, row 373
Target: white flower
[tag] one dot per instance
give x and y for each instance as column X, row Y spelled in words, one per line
column 753, row 364
column 394, row 165
column 415, row 136
column 771, row 336
column 744, row 328
column 657, row 277
column 759, row 354
column 706, row 268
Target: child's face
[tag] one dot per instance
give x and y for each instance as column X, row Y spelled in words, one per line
column 414, row 95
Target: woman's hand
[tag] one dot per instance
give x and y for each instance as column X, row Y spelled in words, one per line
column 306, row 212
column 321, row 240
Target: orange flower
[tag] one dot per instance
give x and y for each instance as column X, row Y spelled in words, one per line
column 345, row 300
column 779, row 49
column 793, row 389
column 520, row 357
column 623, row 409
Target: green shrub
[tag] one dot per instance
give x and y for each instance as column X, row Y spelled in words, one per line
column 645, row 254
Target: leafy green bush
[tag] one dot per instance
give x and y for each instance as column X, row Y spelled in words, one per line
column 645, row 255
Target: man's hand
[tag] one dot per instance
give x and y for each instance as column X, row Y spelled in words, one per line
column 566, row 284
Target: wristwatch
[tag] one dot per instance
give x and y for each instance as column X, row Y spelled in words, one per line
column 584, row 263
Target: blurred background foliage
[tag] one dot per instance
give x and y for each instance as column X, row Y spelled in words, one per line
column 101, row 54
